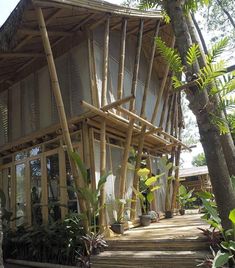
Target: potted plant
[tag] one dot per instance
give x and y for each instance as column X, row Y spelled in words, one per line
column 147, row 187
column 118, row 225
column 184, row 198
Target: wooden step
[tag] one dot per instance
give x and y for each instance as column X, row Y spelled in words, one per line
column 159, row 244
column 148, row 259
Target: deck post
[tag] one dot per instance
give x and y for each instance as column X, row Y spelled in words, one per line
column 103, row 124
column 59, row 102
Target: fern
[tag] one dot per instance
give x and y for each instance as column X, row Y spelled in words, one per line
column 171, row 56
column 209, row 73
column 166, row 17
column 176, row 82
column 192, row 54
column 220, row 123
column 217, row 50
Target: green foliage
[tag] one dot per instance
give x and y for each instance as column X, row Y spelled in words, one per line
column 147, row 187
column 221, row 258
column 170, row 55
column 185, row 197
column 90, row 196
column 192, row 54
column 194, row 5
column 216, row 50
column 148, row 4
column 199, row 160
column 54, row 243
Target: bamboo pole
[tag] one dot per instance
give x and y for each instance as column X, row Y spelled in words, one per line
column 92, row 155
column 59, row 102
column 122, row 60
column 149, row 71
column 169, row 113
column 92, row 71
column 103, row 124
column 163, row 113
column 162, row 87
column 122, row 179
column 102, row 216
column 137, row 63
column 105, row 64
column 136, row 177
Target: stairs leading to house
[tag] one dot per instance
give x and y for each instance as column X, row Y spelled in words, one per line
column 170, row 244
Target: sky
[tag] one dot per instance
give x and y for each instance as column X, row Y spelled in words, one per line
column 6, row 7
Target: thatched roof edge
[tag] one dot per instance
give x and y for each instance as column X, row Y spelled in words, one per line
column 9, row 28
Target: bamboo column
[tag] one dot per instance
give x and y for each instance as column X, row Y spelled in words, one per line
column 149, row 71
column 122, row 180
column 105, row 64
column 103, row 124
column 59, row 101
column 163, row 113
column 136, row 177
column 170, row 111
column 122, row 60
column 137, row 64
column 92, row 155
column 102, row 216
column 162, row 87
column 92, row 70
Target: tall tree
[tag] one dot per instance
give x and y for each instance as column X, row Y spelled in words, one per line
column 202, row 105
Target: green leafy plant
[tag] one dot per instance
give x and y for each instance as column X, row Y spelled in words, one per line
column 147, row 187
column 185, row 197
column 90, row 196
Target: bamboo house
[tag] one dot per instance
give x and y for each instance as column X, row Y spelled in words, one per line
column 85, row 75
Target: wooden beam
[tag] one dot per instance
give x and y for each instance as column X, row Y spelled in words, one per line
column 140, row 119
column 21, row 55
column 59, row 103
column 105, row 63
column 149, row 71
column 122, row 59
column 117, row 103
column 137, row 63
column 27, row 31
column 162, row 87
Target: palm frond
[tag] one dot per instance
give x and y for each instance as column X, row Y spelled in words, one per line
column 170, row 55
column 176, row 82
column 192, row 54
column 217, row 49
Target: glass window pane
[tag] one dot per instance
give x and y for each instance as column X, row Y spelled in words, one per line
column 20, row 194
column 36, row 191
column 35, row 151
column 53, row 187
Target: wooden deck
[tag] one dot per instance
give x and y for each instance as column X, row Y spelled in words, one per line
column 177, row 240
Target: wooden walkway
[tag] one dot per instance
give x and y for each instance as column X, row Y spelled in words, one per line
column 161, row 244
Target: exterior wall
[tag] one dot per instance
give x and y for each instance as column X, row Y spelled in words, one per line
column 29, row 105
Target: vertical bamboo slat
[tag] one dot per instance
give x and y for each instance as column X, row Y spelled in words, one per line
column 122, row 60
column 162, row 87
column 59, row 101
column 27, row 188
column 13, row 193
column 137, row 63
column 136, row 178
column 149, row 71
column 168, row 121
column 105, row 64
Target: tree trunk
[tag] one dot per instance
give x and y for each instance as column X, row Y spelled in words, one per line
column 230, row 18
column 200, row 105
column 225, row 139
